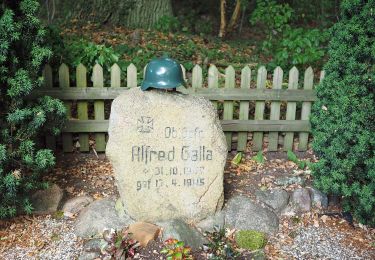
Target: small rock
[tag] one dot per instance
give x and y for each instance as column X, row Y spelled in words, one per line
column 319, row 199
column 89, row 256
column 76, row 204
column 47, row 201
column 244, row 214
column 99, row 215
column 300, row 200
column 144, row 232
column 276, row 199
column 289, row 180
column 178, row 229
column 209, row 223
column 93, row 245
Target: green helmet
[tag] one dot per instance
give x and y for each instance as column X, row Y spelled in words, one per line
column 163, row 73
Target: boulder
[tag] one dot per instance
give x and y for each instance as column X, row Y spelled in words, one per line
column 76, row 204
column 178, row 229
column 300, row 200
column 168, row 152
column 277, row 199
column 99, row 215
column 243, row 214
column 210, row 222
column 47, row 201
column 318, row 198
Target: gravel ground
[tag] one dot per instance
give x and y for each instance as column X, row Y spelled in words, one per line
column 322, row 243
column 55, row 240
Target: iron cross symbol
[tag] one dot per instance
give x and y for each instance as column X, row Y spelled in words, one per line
column 145, row 124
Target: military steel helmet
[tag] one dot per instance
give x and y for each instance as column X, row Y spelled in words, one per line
column 163, row 73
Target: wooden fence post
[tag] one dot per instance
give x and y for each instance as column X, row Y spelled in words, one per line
column 228, row 105
column 115, row 76
column 306, row 108
column 48, row 83
column 97, row 79
column 64, row 82
column 197, row 77
column 244, row 108
column 81, row 75
column 213, row 80
column 291, row 109
column 259, row 109
column 273, row 137
column 131, row 76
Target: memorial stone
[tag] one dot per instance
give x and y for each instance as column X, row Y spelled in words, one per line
column 168, row 152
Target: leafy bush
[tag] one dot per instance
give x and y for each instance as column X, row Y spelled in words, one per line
column 89, row 54
column 275, row 17
column 22, row 54
column 251, row 239
column 167, row 24
column 286, row 45
column 298, row 47
column 343, row 122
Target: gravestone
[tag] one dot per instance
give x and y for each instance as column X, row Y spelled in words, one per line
column 168, row 152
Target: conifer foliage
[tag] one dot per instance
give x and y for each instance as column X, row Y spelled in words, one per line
column 343, row 120
column 22, row 54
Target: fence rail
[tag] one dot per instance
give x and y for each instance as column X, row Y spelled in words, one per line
column 243, row 109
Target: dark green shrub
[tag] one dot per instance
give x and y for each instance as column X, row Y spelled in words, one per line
column 22, row 53
column 167, row 24
column 343, row 120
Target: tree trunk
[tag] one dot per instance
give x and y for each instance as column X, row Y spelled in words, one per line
column 146, row 13
column 132, row 13
column 223, row 19
column 235, row 16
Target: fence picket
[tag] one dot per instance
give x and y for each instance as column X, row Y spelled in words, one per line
column 115, row 76
column 228, row 105
column 183, row 73
column 97, row 79
column 197, row 77
column 259, row 109
column 67, row 138
column 213, row 80
column 306, row 109
column 48, row 83
column 291, row 109
column 81, row 75
column 131, row 76
column 273, row 137
column 244, row 108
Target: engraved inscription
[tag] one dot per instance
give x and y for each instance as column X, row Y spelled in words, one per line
column 145, row 124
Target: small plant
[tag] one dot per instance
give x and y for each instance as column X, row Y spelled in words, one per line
column 118, row 245
column 220, row 245
column 176, row 250
column 300, row 163
column 259, row 158
column 251, row 239
column 237, row 159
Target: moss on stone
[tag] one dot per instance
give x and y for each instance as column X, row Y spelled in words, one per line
column 251, row 239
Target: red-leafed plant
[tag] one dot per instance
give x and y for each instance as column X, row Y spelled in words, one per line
column 176, row 250
column 119, row 244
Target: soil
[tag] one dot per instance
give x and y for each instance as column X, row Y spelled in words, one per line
column 91, row 174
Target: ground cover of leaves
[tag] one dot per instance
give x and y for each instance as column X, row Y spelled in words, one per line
column 310, row 236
